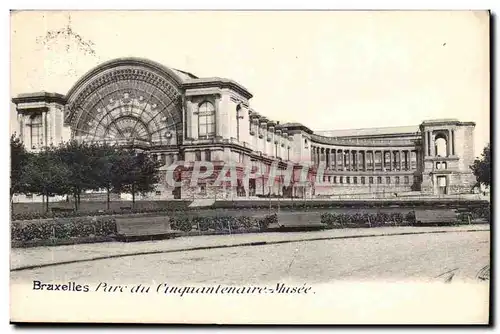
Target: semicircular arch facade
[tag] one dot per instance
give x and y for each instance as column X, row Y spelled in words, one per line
column 127, row 102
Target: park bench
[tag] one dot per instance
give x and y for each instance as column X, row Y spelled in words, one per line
column 144, row 228
column 435, row 217
column 56, row 209
column 297, row 221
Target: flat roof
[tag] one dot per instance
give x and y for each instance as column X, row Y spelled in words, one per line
column 390, row 130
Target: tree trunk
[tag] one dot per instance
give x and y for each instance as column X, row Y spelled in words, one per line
column 76, row 202
column 107, row 199
column 11, row 206
column 47, row 203
column 133, row 196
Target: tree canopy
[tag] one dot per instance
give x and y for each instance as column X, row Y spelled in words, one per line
column 482, row 167
column 75, row 167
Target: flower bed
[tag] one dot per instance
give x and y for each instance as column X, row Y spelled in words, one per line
column 62, row 231
column 342, row 220
column 83, row 227
column 221, row 223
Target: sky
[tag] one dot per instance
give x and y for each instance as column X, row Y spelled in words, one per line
column 325, row 69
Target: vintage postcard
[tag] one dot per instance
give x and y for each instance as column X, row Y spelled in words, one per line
column 250, row 167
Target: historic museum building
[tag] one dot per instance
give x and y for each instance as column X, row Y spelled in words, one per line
column 176, row 116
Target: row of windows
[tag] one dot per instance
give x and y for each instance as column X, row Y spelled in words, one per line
column 198, row 154
column 362, row 179
column 206, row 154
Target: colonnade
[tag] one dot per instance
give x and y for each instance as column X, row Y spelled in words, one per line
column 366, row 160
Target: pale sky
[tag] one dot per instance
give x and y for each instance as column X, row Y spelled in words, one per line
column 327, row 70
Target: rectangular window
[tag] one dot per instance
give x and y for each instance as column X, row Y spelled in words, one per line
column 370, row 180
column 158, row 193
column 355, row 180
column 397, row 179
column 334, row 179
column 197, row 155
column 388, row 180
column 362, row 180
column 36, row 131
column 341, row 180
column 348, row 180
column 407, row 180
column 379, row 179
column 208, row 155
column 329, row 179
column 203, row 189
column 206, row 120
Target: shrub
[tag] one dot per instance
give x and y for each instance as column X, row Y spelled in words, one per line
column 410, row 217
column 246, row 222
column 267, row 220
column 181, row 223
column 343, row 220
column 72, row 228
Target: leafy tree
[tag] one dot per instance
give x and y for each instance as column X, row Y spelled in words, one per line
column 106, row 157
column 482, row 167
column 79, row 159
column 134, row 173
column 45, row 174
column 18, row 156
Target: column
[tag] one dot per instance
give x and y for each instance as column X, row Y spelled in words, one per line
column 348, row 160
column 351, row 160
column 49, row 128
column 334, row 159
column 433, row 145
column 20, row 122
column 44, row 125
column 452, row 142
column 354, row 157
column 428, row 148
column 340, row 161
column 400, row 160
column 417, row 159
column 365, row 165
column 424, row 142
column 328, row 158
column 27, row 132
column 390, row 160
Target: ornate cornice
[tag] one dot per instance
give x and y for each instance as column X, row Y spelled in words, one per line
column 39, row 97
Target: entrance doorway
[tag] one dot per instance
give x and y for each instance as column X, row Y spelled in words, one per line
column 442, row 185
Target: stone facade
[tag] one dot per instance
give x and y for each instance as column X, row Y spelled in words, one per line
column 176, row 116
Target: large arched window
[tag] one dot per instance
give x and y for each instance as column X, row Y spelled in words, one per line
column 441, row 145
column 206, row 120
